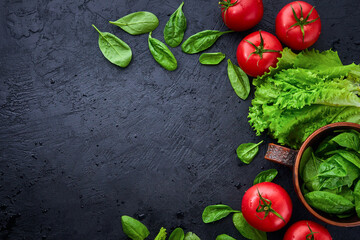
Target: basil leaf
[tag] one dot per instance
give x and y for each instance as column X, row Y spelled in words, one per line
column 201, row 41
column 162, row 54
column 211, row 58
column 177, row 234
column 191, row 236
column 161, row 235
column 137, row 23
column 247, row 151
column 239, row 80
column 265, row 176
column 175, row 28
column 328, row 202
column 114, row 49
column 133, row 228
column 246, row 229
column 357, row 198
column 224, row 237
column 214, row 213
column 348, row 140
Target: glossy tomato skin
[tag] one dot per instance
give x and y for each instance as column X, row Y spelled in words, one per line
column 281, row 203
column 253, row 65
column 244, row 15
column 293, row 36
column 300, row 229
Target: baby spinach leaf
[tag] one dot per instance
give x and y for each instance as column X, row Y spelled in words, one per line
column 161, row 235
column 133, row 228
column 328, row 202
column 246, row 229
column 239, row 80
column 177, row 234
column 114, row 49
column 350, row 156
column 201, row 41
column 348, row 140
column 211, row 58
column 333, row 167
column 137, row 23
column 224, row 237
column 247, row 151
column 265, row 176
column 214, row 213
column 175, row 28
column 162, row 54
column 326, row 146
column 357, row 197
column 304, row 159
column 191, row 236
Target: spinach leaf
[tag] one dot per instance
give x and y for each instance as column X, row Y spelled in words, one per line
column 224, row 237
column 175, row 28
column 162, row 54
column 344, row 191
column 357, row 197
column 177, row 234
column 247, row 151
column 348, row 140
column 328, row 202
column 326, row 146
column 304, row 159
column 310, row 173
column 137, row 23
column 114, row 49
column 246, row 229
column 191, row 236
column 350, row 156
column 201, row 41
column 239, row 80
column 332, row 167
column 211, row 58
column 214, row 213
column 265, row 176
column 133, row 228
column 161, row 235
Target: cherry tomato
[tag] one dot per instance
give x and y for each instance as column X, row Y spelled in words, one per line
column 266, row 206
column 241, row 15
column 257, row 52
column 304, row 230
column 298, row 25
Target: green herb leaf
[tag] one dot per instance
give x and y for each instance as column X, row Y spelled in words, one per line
column 265, row 176
column 224, row 237
column 133, row 228
column 348, row 140
column 246, row 229
column 239, row 80
column 114, row 49
column 137, row 23
column 214, row 213
column 175, row 28
column 329, row 202
column 161, row 235
column 247, row 151
column 211, row 58
column 201, row 41
column 191, row 236
column 177, row 234
column 162, row 54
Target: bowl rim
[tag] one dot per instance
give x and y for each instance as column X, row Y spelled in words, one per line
column 296, row 173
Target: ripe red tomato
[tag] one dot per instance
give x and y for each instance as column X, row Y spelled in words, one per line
column 241, row 15
column 266, row 206
column 298, row 30
column 257, row 52
column 303, row 230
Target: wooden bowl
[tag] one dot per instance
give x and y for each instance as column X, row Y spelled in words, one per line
column 292, row 159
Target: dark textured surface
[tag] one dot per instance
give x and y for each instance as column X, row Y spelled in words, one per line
column 84, row 141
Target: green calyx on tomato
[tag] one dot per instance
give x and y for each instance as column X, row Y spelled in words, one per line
column 302, row 21
column 311, row 235
column 259, row 50
column 225, row 4
column 265, row 206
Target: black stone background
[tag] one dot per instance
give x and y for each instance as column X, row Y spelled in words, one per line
column 84, row 141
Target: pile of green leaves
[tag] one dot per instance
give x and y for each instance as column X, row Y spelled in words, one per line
column 303, row 93
column 331, row 174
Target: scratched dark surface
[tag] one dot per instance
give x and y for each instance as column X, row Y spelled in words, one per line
column 84, row 141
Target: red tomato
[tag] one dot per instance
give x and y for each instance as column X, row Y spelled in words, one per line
column 303, row 230
column 256, row 61
column 266, row 206
column 241, row 15
column 288, row 25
